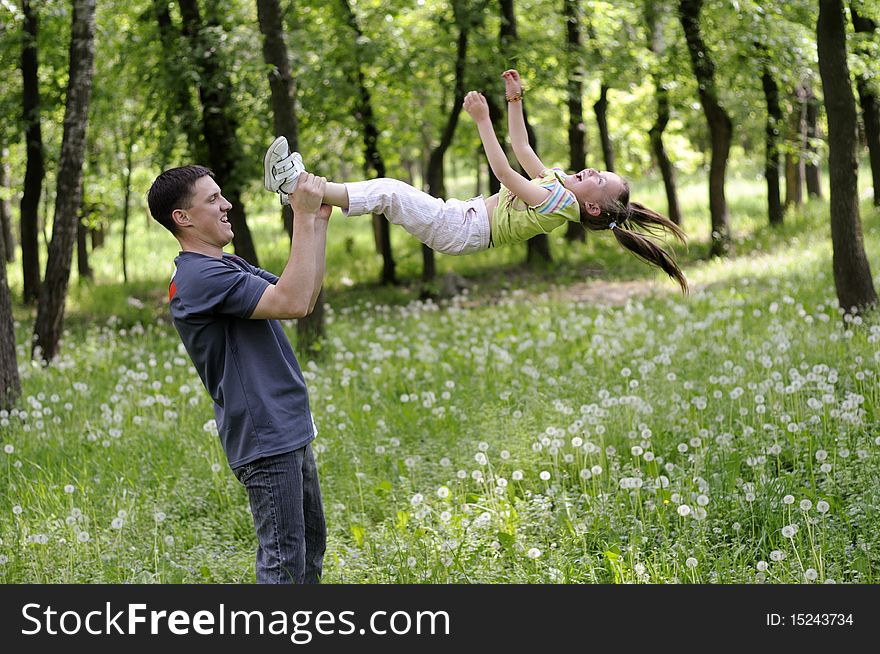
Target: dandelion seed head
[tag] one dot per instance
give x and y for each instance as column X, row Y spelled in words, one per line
column 691, row 562
column 805, row 504
column 788, row 499
column 822, row 506
column 533, row 553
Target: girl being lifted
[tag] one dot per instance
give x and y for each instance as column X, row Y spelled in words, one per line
column 523, row 207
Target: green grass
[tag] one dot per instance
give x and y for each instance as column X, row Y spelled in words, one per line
column 523, row 432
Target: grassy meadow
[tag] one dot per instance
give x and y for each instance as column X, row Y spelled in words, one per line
column 582, row 423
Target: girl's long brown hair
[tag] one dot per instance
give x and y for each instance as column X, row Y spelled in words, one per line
column 637, row 228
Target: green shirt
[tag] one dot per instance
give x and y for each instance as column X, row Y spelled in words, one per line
column 513, row 221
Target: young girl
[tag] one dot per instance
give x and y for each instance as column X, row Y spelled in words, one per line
column 521, row 209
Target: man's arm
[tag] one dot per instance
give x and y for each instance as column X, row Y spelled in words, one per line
column 526, row 190
column 516, row 126
column 291, row 296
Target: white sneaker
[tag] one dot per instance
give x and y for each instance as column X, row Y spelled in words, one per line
column 281, row 168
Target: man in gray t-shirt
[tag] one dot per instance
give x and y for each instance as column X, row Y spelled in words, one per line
column 226, row 312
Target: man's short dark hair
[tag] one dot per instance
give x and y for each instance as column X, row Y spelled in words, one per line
column 172, row 190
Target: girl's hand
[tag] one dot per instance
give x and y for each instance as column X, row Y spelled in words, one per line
column 512, row 83
column 476, row 106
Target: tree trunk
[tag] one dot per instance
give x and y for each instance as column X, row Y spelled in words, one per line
column 281, row 84
column 34, row 173
column 870, row 104
column 601, row 109
column 82, row 251
column 50, row 308
column 720, row 125
column 179, row 109
column 10, row 386
column 667, row 171
column 811, row 169
column 794, row 189
column 537, row 247
column 82, row 233
column 435, row 174
column 795, row 170
column 218, row 122
column 771, row 141
column 852, row 273
column 126, row 202
column 310, row 328
column 372, row 157
column 577, row 142
column 7, row 253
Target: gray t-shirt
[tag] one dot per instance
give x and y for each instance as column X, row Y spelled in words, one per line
column 248, row 366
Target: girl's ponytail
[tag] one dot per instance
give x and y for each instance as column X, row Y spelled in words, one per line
column 636, row 228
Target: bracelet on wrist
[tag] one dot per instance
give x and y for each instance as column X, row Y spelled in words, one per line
column 516, row 97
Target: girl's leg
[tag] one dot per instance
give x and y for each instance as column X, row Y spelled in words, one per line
column 451, row 226
column 336, row 195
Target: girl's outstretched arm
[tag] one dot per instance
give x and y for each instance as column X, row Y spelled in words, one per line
column 526, row 190
column 516, row 125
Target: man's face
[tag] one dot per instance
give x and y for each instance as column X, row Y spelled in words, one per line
column 206, row 219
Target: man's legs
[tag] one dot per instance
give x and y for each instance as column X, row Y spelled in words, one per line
column 285, row 499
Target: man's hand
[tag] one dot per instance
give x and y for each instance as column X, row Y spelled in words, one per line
column 476, row 106
column 306, row 199
column 512, row 83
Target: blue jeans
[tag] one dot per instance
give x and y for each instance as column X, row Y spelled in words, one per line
column 285, row 499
